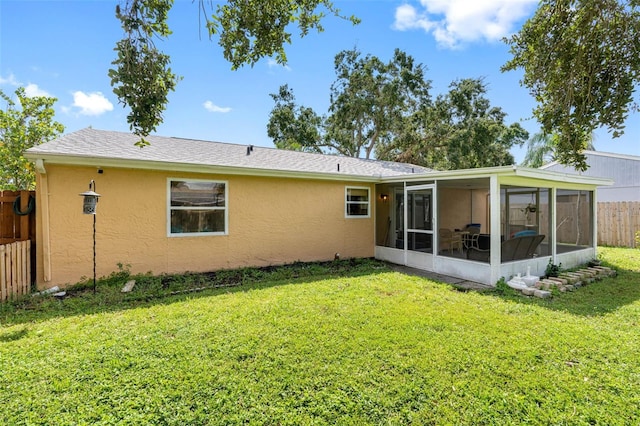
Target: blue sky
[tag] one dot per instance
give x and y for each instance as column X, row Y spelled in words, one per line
column 65, row 48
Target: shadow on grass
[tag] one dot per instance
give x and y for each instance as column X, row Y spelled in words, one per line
column 168, row 289
column 596, row 299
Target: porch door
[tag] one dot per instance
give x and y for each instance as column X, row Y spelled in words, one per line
column 419, row 218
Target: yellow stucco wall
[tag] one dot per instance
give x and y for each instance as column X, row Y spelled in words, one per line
column 271, row 221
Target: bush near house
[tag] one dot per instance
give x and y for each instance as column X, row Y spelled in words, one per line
column 359, row 344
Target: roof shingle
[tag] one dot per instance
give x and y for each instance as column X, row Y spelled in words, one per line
column 95, row 144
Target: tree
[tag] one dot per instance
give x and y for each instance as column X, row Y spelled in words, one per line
column 292, row 126
column 370, row 100
column 460, row 130
column 22, row 126
column 541, row 148
column 581, row 62
column 248, row 29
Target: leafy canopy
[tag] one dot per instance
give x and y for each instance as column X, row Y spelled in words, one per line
column 248, row 31
column 24, row 124
column 369, row 101
column 541, row 149
column 385, row 110
column 581, row 62
column 460, row 130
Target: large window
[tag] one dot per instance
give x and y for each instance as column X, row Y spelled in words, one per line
column 357, row 201
column 197, row 207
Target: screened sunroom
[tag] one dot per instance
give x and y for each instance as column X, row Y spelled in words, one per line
column 483, row 224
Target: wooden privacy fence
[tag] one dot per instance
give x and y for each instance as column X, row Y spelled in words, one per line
column 17, row 243
column 618, row 223
column 15, row 270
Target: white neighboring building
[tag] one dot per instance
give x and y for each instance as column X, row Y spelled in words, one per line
column 623, row 169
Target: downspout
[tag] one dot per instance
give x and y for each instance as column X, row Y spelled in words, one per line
column 44, row 220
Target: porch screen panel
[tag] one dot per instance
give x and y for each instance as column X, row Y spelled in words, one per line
column 574, row 220
column 420, row 220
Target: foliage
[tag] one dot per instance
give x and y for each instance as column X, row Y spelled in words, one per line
column 541, row 149
column 292, row 126
column 254, row 29
column 248, row 31
column 370, row 347
column 385, row 110
column 142, row 78
column 369, row 100
column 502, row 287
column 552, row 269
column 461, row 130
column 23, row 125
column 581, row 62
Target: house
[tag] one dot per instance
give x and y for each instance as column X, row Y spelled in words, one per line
column 187, row 205
column 623, row 169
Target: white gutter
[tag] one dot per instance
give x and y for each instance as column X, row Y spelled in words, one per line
column 484, row 172
column 44, row 219
column 195, row 168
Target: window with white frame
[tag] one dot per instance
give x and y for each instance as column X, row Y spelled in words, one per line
column 197, row 207
column 357, row 201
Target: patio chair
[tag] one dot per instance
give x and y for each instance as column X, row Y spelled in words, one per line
column 450, row 239
column 472, row 238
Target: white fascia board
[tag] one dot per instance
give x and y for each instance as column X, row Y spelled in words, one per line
column 536, row 175
column 562, row 177
column 483, row 172
column 84, row 161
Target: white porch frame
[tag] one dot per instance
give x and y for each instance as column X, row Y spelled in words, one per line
column 489, row 273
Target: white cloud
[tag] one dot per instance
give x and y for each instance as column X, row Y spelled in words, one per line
column 91, row 103
column 11, row 79
column 455, row 22
column 211, row 107
column 32, row 90
column 272, row 63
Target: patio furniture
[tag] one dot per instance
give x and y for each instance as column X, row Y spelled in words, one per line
column 517, row 248
column 472, row 237
column 525, row 233
column 450, row 239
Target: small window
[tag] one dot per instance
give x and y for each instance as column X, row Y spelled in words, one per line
column 197, row 207
column 357, row 202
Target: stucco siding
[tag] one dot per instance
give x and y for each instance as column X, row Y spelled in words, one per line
column 270, row 221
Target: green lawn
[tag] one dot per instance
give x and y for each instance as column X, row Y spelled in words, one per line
column 354, row 344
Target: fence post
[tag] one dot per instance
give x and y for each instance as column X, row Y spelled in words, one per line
column 24, row 220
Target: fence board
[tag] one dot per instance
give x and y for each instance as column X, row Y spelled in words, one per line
column 618, row 223
column 15, row 269
column 3, row 274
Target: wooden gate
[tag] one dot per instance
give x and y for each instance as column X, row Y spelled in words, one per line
column 17, row 242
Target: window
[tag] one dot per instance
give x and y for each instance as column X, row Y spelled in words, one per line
column 197, row 207
column 357, row 201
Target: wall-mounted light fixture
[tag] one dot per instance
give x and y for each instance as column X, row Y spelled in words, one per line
column 384, row 197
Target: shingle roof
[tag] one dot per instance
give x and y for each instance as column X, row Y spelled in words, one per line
column 93, row 144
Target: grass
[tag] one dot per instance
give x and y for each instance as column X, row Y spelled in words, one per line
column 346, row 343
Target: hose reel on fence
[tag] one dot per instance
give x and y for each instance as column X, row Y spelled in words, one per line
column 30, row 206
